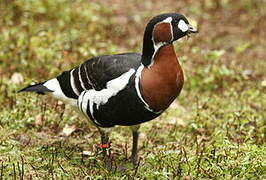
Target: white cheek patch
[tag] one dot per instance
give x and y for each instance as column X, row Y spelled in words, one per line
column 182, row 26
column 168, row 20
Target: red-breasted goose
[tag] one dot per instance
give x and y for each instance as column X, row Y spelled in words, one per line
column 126, row 89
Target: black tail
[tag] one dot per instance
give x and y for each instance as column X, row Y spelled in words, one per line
column 38, row 88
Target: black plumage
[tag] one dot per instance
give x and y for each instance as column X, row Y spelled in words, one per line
column 38, row 88
column 102, row 69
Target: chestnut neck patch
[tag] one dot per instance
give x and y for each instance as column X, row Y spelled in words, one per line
column 155, row 37
column 162, row 33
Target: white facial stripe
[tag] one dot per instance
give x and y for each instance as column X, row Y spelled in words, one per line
column 168, row 20
column 182, row 26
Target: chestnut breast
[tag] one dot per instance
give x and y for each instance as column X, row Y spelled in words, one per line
column 161, row 83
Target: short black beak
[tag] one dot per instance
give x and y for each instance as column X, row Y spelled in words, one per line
column 191, row 29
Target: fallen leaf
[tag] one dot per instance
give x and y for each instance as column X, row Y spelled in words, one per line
column 180, row 122
column 174, row 105
column 39, row 120
column 177, row 121
column 187, row 177
column 247, row 72
column 60, row 103
column 68, row 130
column 17, row 78
column 172, row 121
column 263, row 83
column 24, row 140
column 87, row 153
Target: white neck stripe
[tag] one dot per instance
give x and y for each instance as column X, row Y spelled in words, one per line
column 137, row 79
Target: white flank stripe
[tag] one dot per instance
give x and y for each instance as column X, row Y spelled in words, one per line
column 101, row 97
column 87, row 75
column 80, row 79
column 83, row 105
column 54, row 85
column 80, row 99
column 72, row 83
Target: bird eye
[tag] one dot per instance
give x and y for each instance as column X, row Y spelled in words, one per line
column 175, row 21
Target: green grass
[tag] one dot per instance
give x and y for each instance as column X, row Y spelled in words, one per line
column 216, row 129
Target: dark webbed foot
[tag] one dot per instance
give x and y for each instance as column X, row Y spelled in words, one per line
column 105, row 145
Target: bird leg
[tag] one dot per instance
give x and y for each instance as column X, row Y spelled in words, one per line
column 105, row 144
column 134, row 152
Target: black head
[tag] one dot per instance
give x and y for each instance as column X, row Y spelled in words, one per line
column 161, row 30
